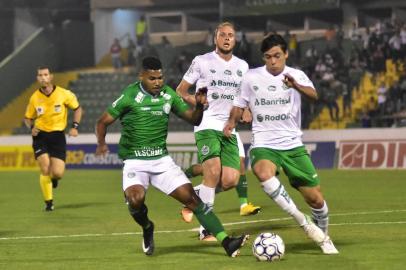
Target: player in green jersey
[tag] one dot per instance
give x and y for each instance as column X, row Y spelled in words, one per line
column 143, row 110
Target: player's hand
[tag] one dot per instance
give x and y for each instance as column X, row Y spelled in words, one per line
column 34, row 131
column 201, row 96
column 289, row 81
column 73, row 132
column 246, row 116
column 102, row 149
column 228, row 129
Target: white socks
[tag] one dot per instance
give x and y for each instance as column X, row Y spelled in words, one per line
column 207, row 195
column 279, row 195
column 320, row 217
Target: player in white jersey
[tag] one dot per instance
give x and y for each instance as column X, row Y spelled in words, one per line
column 221, row 72
column 273, row 94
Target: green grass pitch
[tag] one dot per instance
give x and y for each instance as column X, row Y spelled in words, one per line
column 91, row 228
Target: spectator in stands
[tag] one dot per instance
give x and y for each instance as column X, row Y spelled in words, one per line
column 141, row 31
column 47, row 121
column 209, row 37
column 354, row 33
column 381, row 92
column 131, row 52
column 165, row 42
column 115, row 51
column 365, row 119
column 329, row 96
column 403, row 41
column 395, row 44
column 330, row 33
column 243, row 48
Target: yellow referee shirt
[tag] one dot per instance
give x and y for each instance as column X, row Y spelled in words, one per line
column 51, row 112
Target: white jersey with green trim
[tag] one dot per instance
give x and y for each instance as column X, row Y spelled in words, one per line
column 275, row 108
column 223, row 80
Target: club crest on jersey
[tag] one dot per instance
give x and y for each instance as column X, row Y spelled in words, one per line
column 212, row 70
column 39, row 110
column 239, row 73
column 205, row 150
column 166, row 108
column 272, row 88
column 58, row 108
column 285, row 86
column 227, row 72
column 131, row 175
column 255, row 88
column 167, row 97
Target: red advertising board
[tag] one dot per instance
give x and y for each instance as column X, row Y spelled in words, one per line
column 372, row 154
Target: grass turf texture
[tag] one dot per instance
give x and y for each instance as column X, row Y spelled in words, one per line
column 91, row 228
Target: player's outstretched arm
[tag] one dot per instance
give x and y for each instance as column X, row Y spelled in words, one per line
column 305, row 90
column 182, row 91
column 235, row 116
column 195, row 116
column 101, row 130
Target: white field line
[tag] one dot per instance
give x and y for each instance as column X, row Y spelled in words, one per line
column 225, row 224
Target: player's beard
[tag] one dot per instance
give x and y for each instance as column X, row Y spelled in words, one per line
column 223, row 51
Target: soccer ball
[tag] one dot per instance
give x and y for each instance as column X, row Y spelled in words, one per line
column 268, row 247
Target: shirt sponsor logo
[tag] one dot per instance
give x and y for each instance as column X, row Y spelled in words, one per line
column 145, row 108
column 58, row 108
column 277, row 117
column 154, row 100
column 212, row 71
column 140, row 97
column 131, row 175
column 255, row 88
column 148, row 152
column 227, row 72
column 223, row 83
column 159, row 113
column 215, row 95
column 267, row 102
column 272, row 88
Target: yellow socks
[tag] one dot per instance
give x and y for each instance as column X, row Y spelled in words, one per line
column 46, row 186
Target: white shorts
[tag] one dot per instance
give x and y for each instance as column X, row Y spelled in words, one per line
column 241, row 149
column 162, row 173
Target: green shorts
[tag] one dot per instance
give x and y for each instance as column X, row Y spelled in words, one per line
column 296, row 164
column 212, row 143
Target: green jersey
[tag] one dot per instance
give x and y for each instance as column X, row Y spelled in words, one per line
column 144, row 119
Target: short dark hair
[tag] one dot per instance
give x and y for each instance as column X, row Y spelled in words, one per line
column 44, row 67
column 273, row 40
column 151, row 62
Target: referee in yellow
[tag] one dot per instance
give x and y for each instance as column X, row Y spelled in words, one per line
column 46, row 117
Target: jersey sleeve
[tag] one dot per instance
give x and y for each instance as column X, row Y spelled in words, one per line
column 119, row 106
column 71, row 100
column 30, row 111
column 302, row 79
column 194, row 71
column 179, row 105
column 242, row 98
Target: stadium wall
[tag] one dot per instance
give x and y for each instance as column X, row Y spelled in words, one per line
column 343, row 149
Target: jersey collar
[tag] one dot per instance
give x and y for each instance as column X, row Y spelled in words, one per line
column 53, row 90
column 147, row 93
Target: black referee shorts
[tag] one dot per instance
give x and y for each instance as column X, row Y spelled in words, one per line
column 53, row 143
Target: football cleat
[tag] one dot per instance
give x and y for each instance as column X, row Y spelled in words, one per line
column 49, row 206
column 249, row 209
column 232, row 245
column 187, row 214
column 206, row 236
column 328, row 247
column 54, row 183
column 148, row 245
column 313, row 232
